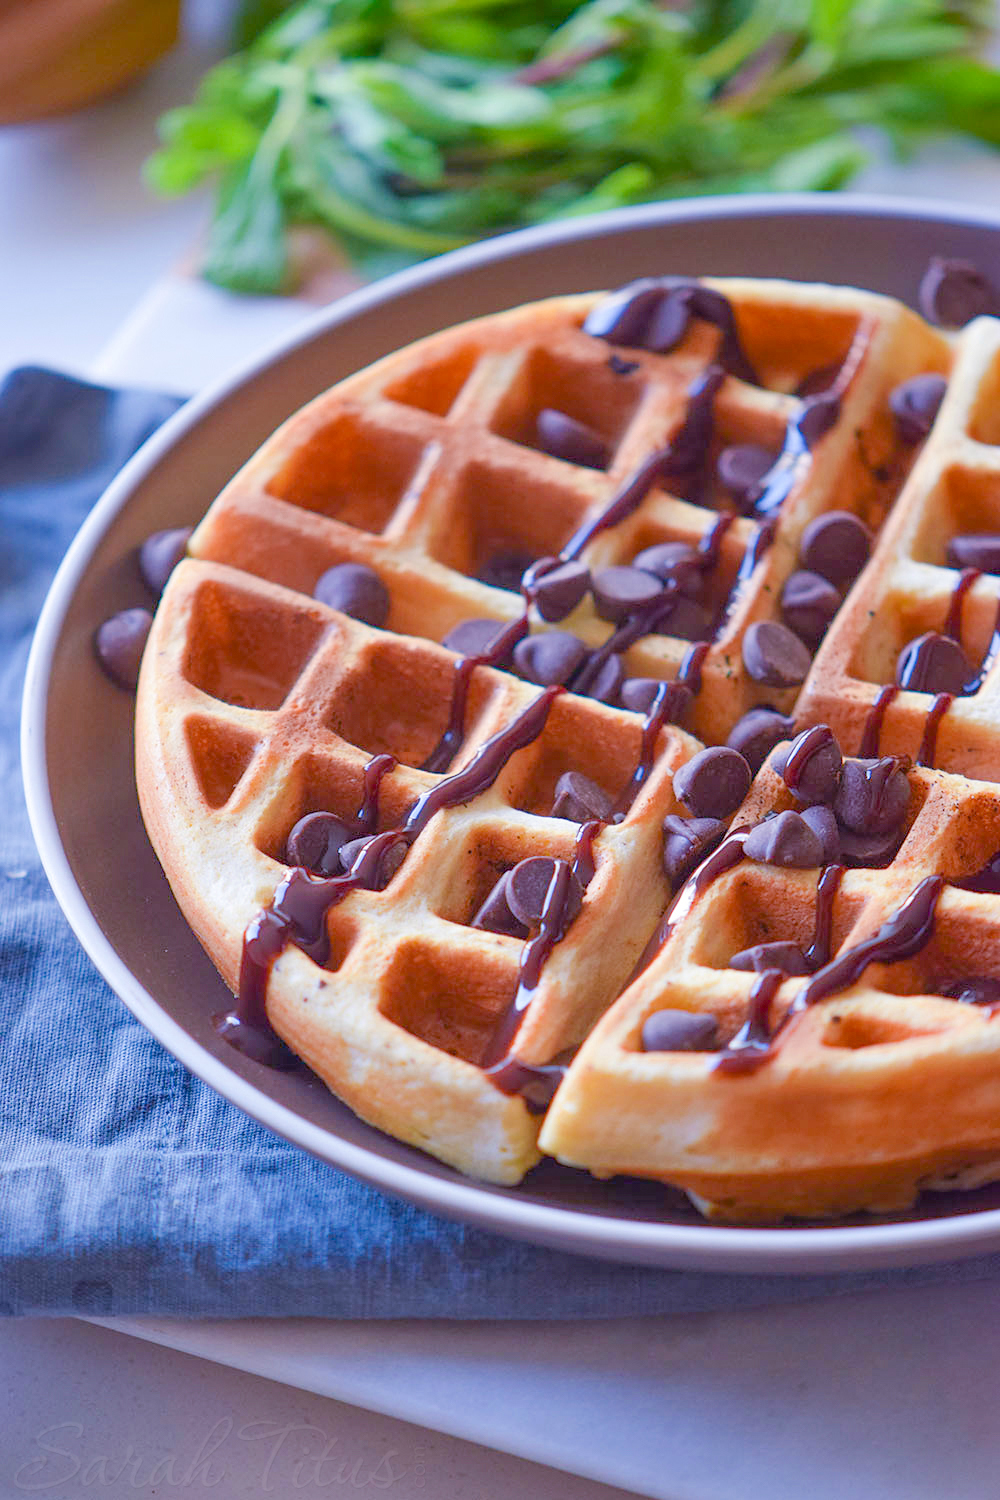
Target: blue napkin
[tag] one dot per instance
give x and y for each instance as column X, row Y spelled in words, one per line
column 129, row 1187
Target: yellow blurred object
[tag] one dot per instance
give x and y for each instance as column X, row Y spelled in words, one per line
column 56, row 55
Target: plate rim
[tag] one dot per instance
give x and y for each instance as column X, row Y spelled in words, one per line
column 789, row 1249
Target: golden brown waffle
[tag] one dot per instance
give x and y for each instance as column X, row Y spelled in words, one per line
column 258, row 704
column 863, row 1099
column 908, row 588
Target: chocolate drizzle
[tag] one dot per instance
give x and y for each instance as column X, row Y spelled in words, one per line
column 503, row 1067
column 902, row 935
column 818, row 952
column 953, row 623
column 871, row 736
column 300, row 906
column 802, row 751
column 752, row 1043
column 932, row 722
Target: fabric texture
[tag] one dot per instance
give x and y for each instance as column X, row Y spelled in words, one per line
column 129, row 1187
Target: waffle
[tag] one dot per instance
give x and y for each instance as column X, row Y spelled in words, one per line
column 258, row 705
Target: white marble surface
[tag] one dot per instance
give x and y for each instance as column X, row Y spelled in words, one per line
column 881, row 1395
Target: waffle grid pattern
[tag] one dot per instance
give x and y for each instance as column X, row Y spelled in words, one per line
column 258, row 704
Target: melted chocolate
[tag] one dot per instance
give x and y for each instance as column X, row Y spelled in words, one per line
column 298, row 912
column 804, row 748
column 751, row 1045
column 818, row 952
column 932, row 722
column 953, row 623
column 535, row 1082
column 986, row 881
column 902, row 935
column 872, row 734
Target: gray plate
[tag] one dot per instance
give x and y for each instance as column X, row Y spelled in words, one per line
column 83, row 779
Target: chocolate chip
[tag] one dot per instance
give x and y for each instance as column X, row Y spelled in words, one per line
column 934, row 663
column 772, row 654
column 679, row 1031
column 667, row 324
column 504, row 570
column 785, row 840
column 316, row 841
column 473, row 637
column 620, row 591
column 741, row 469
column 811, row 768
column 687, row 621
column 528, row 887
column 581, row 800
column 355, row 590
column 624, row 315
column 550, row 658
column 686, row 842
column 495, row 914
column 622, row 366
column 808, row 604
column 119, row 643
column 818, row 415
column 953, row 292
column 713, row 783
column 557, row 594
column 788, row 957
column 975, row 550
column 836, row 546
column 756, row 734
column 673, row 562
column 564, row 437
column 637, row 694
column 977, row 989
column 873, row 795
column 606, row 684
column 915, row 403
column 388, row 864
column 824, row 825
column 868, row 850
column 160, row 554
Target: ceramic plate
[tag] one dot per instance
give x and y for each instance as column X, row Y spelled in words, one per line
column 112, row 889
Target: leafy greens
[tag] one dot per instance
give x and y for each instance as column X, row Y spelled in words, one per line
column 409, row 127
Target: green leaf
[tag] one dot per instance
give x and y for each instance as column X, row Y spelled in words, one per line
column 246, row 245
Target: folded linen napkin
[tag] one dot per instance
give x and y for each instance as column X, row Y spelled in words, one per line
column 129, row 1187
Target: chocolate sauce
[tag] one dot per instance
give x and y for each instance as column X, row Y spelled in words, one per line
column 535, row 1082
column 872, row 734
column 902, row 935
column 450, row 742
column 986, row 881
column 685, row 452
column 988, row 659
column 687, row 445
column 583, row 851
column 751, row 1045
column 656, row 716
column 553, row 923
column 953, row 623
column 366, row 818
column 802, row 751
column 728, row 854
column 932, row 721
column 300, row 906
column 533, row 956
column 818, row 952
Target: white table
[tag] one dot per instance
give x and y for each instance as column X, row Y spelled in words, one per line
column 887, row 1395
